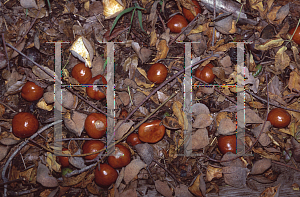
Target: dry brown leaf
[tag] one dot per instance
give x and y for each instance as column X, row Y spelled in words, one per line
column 270, row 44
column 129, row 192
column 44, row 178
column 261, row 166
column 143, row 84
column 143, row 72
column 132, row 169
column 182, row 191
column 200, row 139
column 177, row 110
column 51, row 161
column 153, row 38
column 212, row 172
column 282, row 60
column 162, row 50
column 235, row 176
column 256, row 104
column 163, row 188
column 266, row 154
column 123, row 128
column 195, row 188
column 124, row 97
column 226, row 127
column 271, row 192
column 202, row 121
column 294, row 80
column 70, row 181
column 200, row 108
column 75, row 122
column 264, row 139
column 3, row 151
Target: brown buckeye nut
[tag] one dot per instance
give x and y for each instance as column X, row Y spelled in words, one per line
column 97, row 92
column 91, row 147
column 120, row 158
column 24, row 125
column 95, row 125
column 105, row 176
column 151, row 132
column 31, row 92
column 82, row 73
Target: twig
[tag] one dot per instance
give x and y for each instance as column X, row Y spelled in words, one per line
column 18, row 149
column 7, row 106
column 20, row 193
column 170, row 173
column 5, row 50
column 31, row 25
column 183, row 29
column 263, row 100
column 288, row 166
column 161, row 20
column 216, row 89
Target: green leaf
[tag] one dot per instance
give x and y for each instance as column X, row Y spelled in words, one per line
column 119, row 16
column 141, row 19
column 131, row 19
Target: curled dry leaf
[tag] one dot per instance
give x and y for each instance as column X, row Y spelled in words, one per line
column 212, row 172
column 271, row 192
column 162, row 50
column 264, row 139
column 163, row 188
column 123, row 128
column 269, row 44
column 130, row 65
column 7, row 138
column 202, row 121
column 294, row 81
column 261, row 166
column 83, row 50
column 235, row 176
column 250, row 117
column 44, row 178
column 296, row 150
column 146, row 152
column 226, row 127
column 74, row 121
column 282, row 60
column 111, row 8
column 132, row 169
column 198, row 186
column 43, row 105
column 200, row 139
column 171, row 123
column 52, row 164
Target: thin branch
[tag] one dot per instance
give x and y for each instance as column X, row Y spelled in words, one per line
column 19, row 148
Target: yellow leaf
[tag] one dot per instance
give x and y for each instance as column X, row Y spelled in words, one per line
column 282, row 60
column 143, row 72
column 162, row 50
column 270, row 44
column 51, row 161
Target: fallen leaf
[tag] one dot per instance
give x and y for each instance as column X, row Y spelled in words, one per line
column 264, row 139
column 182, row 191
column 294, row 80
column 261, row 166
column 212, row 172
column 200, row 139
column 51, row 161
column 202, row 121
column 162, row 50
column 282, row 60
column 74, row 121
column 163, row 188
column 195, row 188
column 44, row 178
column 132, row 169
column 200, row 108
column 270, row 44
column 235, row 176
column 83, row 50
column 271, row 192
column 124, row 128
column 226, row 127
